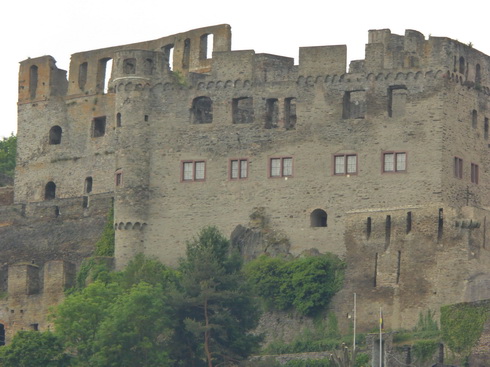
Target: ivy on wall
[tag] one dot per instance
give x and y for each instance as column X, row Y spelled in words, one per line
column 462, row 325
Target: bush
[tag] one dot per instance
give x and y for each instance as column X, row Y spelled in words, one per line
column 306, row 284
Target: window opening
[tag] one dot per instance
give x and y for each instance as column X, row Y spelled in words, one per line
column 118, row 120
column 354, row 105
column 104, row 75
column 98, row 126
column 148, row 67
column 50, row 191
column 33, row 76
column 2, row 334
column 55, row 135
column 85, row 202
column 57, row 212
column 290, row 113
column 440, row 225
column 272, row 113
column 129, row 66
column 88, row 185
column 238, row 169
column 368, row 227
column 186, row 54
column 478, row 76
column 388, row 230
column 485, row 129
column 409, row 222
column 318, row 218
column 202, row 110
column 394, row 162
column 193, row 171
column 461, row 65
column 206, row 46
column 242, row 110
column 281, row 167
column 345, row 164
column 474, row 119
column 118, row 178
column 375, row 269
column 82, row 75
column 168, row 55
column 35, row 327
column 398, row 267
column 458, row 167
column 475, row 173
column 397, row 99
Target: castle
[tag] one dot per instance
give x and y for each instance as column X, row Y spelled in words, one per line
column 385, row 164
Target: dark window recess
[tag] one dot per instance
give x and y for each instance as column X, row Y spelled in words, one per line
column 397, row 100
column 85, row 202
column 242, row 110
column 33, row 76
column 50, row 191
column 88, row 185
column 409, row 222
column 118, row 120
column 368, row 227
column 148, row 66
column 35, row 327
column 272, row 113
column 129, row 66
column 2, row 334
column 202, row 110
column 388, row 230
column 375, row 269
column 98, row 126
column 55, row 135
column 474, row 119
column 186, row 54
column 82, row 75
column 354, row 105
column 289, row 113
column 318, row 218
column 440, row 225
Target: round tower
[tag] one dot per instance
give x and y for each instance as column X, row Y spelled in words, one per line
column 132, row 76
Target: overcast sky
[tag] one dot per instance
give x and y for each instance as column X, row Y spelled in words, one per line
column 62, row 27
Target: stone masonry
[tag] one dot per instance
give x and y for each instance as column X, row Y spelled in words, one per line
column 384, row 162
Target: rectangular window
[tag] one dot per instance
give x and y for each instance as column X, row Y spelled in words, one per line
column 118, row 178
column 98, row 126
column 345, row 164
column 281, row 167
column 475, row 172
column 193, row 171
column 394, row 162
column 458, row 167
column 238, row 169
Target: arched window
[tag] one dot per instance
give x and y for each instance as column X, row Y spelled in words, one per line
column 55, row 135
column 202, row 110
column 318, row 218
column 50, row 191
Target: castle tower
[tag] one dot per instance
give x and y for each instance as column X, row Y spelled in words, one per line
column 133, row 73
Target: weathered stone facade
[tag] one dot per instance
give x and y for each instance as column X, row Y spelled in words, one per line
column 385, row 165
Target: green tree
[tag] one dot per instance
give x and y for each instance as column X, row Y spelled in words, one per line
column 33, row 349
column 79, row 317
column 215, row 307
column 137, row 331
column 8, row 150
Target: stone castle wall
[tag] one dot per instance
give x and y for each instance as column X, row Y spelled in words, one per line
column 162, row 132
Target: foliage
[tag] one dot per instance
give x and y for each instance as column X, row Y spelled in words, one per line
column 33, row 349
column 426, row 322
column 105, row 245
column 79, row 317
column 137, row 330
column 462, row 325
column 362, row 360
column 8, row 151
column 215, row 307
column 309, row 363
column 305, row 284
column 423, row 350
